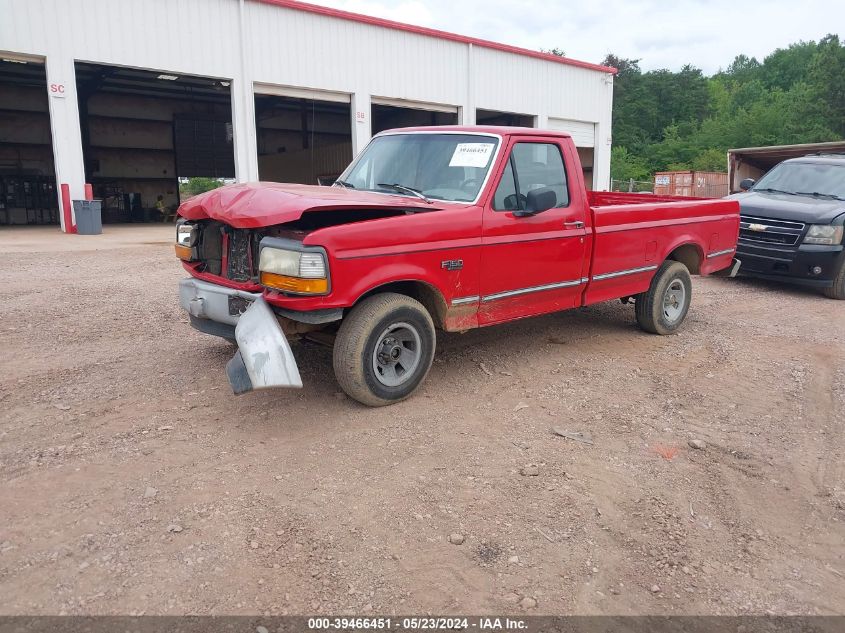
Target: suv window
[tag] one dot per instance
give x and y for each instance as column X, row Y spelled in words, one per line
column 531, row 166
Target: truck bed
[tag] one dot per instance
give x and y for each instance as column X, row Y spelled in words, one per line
column 634, row 233
column 613, row 198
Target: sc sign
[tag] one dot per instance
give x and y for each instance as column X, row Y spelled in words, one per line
column 57, row 90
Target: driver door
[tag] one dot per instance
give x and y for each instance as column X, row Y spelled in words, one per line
column 531, row 263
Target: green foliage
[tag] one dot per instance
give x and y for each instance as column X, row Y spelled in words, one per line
column 624, row 166
column 665, row 120
column 710, row 160
column 198, row 185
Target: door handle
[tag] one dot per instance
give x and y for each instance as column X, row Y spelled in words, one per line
column 576, row 224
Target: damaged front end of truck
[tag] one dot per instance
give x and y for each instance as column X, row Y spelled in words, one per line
column 243, row 246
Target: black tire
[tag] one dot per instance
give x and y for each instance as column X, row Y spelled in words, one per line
column 653, row 313
column 837, row 290
column 365, row 374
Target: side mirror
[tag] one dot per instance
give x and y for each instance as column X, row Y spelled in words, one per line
column 746, row 184
column 537, row 201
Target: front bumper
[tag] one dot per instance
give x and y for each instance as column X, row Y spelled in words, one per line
column 794, row 265
column 210, row 302
column 264, row 358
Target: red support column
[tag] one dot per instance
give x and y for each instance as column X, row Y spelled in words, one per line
column 70, row 227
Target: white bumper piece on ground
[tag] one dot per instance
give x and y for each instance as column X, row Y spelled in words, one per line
column 264, row 358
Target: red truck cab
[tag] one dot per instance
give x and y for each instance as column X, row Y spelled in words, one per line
column 450, row 227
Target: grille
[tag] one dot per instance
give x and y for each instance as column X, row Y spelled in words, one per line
column 769, row 231
column 239, row 266
column 228, row 252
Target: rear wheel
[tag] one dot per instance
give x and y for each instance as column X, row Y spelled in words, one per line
column 384, row 349
column 663, row 307
column 837, row 290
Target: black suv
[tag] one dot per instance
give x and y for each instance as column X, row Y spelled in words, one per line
column 791, row 223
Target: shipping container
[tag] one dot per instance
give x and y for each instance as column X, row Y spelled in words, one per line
column 692, row 184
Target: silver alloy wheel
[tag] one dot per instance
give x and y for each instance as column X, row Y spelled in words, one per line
column 674, row 301
column 397, row 354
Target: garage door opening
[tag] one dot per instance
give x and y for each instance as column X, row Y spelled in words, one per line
column 27, row 170
column 145, row 133
column 583, row 134
column 493, row 117
column 387, row 117
column 302, row 140
column 587, row 155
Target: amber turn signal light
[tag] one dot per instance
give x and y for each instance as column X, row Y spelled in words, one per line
column 294, row 284
column 184, row 252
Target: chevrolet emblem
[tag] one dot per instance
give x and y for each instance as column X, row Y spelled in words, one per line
column 756, row 227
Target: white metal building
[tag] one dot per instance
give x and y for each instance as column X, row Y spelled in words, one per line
column 131, row 95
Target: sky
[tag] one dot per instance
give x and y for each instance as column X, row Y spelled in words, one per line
column 661, row 33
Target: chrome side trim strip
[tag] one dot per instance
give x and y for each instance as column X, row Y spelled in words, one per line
column 464, row 300
column 620, row 273
column 717, row 253
column 522, row 291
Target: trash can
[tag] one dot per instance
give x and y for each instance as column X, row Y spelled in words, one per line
column 89, row 219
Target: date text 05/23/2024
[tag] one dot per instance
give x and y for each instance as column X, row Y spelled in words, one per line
column 417, row 624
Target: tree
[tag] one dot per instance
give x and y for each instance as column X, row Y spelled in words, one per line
column 624, row 166
column 711, row 159
column 625, row 68
column 197, row 185
column 785, row 67
column 683, row 120
column 826, row 77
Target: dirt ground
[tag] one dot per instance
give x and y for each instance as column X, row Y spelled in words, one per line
column 134, row 482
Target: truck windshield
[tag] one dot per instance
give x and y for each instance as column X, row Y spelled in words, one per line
column 806, row 179
column 433, row 166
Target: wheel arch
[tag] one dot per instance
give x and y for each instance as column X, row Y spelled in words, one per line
column 689, row 254
column 427, row 294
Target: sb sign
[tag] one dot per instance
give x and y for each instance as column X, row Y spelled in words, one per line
column 56, row 90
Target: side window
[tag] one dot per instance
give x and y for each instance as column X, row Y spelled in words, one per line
column 531, row 166
column 505, row 197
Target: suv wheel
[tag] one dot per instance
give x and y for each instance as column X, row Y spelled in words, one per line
column 837, row 290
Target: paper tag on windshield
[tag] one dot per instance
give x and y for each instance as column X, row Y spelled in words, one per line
column 472, row 155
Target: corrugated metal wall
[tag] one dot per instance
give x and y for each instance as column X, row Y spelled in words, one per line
column 249, row 42
column 296, row 48
column 583, row 133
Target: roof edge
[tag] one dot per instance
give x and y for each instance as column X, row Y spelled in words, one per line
column 762, row 149
column 443, row 35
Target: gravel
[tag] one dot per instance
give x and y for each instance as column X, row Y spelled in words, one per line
column 322, row 484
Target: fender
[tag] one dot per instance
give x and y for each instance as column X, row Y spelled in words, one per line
column 680, row 243
column 452, row 318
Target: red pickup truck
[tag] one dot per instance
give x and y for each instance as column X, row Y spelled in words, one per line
column 437, row 227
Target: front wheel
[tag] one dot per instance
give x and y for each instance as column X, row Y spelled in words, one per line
column 384, row 349
column 837, row 290
column 663, row 307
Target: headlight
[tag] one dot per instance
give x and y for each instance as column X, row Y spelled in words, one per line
column 293, row 271
column 186, row 239
column 823, row 234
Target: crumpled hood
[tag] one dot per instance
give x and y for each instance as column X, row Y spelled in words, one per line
column 782, row 206
column 260, row 204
